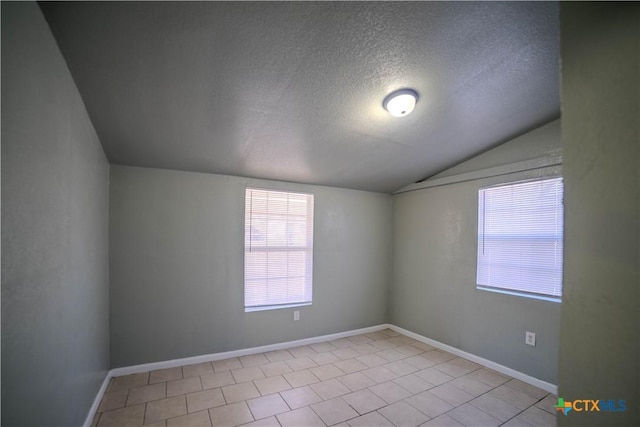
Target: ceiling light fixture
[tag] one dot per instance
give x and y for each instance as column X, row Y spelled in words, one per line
column 401, row 102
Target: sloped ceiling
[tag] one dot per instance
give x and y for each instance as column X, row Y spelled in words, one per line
column 293, row 91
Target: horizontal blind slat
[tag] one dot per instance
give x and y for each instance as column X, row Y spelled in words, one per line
column 278, row 247
column 520, row 237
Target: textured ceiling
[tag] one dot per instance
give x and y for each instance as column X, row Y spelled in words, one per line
column 293, row 91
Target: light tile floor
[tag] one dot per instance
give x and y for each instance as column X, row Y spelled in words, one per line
column 377, row 379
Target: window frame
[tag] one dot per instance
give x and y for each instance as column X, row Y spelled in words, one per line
column 480, row 235
column 307, row 248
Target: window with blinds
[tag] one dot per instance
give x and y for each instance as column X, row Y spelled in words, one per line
column 278, row 251
column 520, row 238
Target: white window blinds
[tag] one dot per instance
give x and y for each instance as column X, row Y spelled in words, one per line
column 520, row 237
column 278, row 260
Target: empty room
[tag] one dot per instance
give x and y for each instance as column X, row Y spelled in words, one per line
column 320, row 213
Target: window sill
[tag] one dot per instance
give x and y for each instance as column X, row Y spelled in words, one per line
column 275, row 307
column 520, row 294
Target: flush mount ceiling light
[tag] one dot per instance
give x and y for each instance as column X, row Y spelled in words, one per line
column 401, row 102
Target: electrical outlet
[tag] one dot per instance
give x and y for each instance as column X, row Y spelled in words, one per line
column 530, row 338
column 296, row 315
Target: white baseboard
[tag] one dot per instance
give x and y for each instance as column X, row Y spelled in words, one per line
column 551, row 388
column 237, row 353
column 96, row 402
column 127, row 370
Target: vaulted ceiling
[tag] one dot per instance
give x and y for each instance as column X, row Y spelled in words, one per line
column 293, row 91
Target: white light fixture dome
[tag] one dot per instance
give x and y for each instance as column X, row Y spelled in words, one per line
column 401, row 102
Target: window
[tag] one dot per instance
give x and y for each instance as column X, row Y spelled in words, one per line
column 520, row 238
column 278, row 249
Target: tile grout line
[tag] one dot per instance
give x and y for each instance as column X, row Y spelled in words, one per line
column 488, row 391
column 531, row 406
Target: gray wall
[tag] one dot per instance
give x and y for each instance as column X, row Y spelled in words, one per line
column 433, row 290
column 55, row 339
column 176, row 263
column 599, row 354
